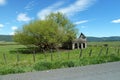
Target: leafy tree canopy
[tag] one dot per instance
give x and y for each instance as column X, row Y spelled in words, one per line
column 55, row 29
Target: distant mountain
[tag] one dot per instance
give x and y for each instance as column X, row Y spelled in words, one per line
column 96, row 39
column 7, row 38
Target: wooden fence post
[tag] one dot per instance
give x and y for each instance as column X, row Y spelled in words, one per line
column 90, row 53
column 34, row 56
column 45, row 55
column 58, row 54
column 18, row 58
column 4, row 56
column 68, row 55
column 80, row 55
column 115, row 49
column 118, row 51
column 51, row 54
column 100, row 52
column 107, row 51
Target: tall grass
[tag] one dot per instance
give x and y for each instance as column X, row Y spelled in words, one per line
column 60, row 59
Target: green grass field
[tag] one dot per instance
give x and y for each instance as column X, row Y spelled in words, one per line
column 13, row 61
column 110, row 44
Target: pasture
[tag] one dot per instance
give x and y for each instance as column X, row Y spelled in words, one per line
column 14, row 61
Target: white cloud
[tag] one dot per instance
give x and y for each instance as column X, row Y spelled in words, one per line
column 48, row 10
column 77, row 6
column 83, row 26
column 2, row 2
column 1, row 25
column 23, row 17
column 14, row 28
column 30, row 5
column 81, row 22
column 12, row 33
column 116, row 21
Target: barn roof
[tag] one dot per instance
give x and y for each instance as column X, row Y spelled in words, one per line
column 82, row 36
column 81, row 39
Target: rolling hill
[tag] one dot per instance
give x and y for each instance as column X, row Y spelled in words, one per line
column 9, row 38
column 100, row 39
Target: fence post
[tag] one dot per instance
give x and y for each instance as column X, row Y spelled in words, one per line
column 118, row 51
column 100, row 52
column 34, row 56
column 45, row 55
column 90, row 54
column 51, row 55
column 18, row 58
column 107, row 51
column 80, row 53
column 115, row 49
column 4, row 56
column 58, row 54
column 68, row 55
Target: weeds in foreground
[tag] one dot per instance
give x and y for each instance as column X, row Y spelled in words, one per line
column 47, row 65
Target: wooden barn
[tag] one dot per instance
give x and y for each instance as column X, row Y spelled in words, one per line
column 80, row 42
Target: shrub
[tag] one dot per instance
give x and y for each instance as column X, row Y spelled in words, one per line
column 56, row 65
column 9, row 70
column 68, row 64
column 42, row 66
column 113, row 57
column 97, row 60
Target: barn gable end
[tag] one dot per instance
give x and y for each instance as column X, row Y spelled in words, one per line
column 80, row 42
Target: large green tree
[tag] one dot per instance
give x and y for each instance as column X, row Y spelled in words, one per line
column 55, row 29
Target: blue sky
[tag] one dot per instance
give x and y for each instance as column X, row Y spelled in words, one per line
column 99, row 18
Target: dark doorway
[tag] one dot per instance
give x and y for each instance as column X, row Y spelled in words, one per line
column 84, row 45
column 80, row 45
column 76, row 45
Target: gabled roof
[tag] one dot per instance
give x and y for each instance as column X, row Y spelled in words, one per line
column 82, row 36
column 81, row 39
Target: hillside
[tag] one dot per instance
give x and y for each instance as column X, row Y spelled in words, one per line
column 90, row 39
column 7, row 38
column 100, row 39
